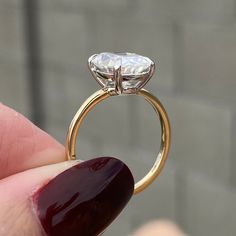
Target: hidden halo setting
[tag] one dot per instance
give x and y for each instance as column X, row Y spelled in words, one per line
column 122, row 74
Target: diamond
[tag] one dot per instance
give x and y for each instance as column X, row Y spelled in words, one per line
column 123, row 72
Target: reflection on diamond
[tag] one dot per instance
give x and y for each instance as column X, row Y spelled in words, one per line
column 135, row 70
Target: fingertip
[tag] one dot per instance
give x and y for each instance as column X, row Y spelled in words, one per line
column 84, row 199
column 159, row 227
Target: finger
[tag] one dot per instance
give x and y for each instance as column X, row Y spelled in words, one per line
column 82, row 200
column 23, row 145
column 159, row 227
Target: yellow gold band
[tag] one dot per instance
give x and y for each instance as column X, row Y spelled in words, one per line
column 99, row 96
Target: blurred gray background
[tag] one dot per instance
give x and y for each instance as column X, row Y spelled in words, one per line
column 44, row 47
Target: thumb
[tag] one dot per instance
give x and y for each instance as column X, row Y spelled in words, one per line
column 68, row 198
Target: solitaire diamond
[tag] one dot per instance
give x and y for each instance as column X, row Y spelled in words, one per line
column 123, row 72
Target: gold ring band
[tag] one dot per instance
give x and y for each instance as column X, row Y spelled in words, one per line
column 101, row 95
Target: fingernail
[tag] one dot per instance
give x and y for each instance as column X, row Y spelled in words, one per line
column 84, row 199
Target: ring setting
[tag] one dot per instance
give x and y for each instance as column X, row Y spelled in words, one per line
column 122, row 74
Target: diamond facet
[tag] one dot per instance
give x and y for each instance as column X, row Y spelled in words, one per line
column 133, row 70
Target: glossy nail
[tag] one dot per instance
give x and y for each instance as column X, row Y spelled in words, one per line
column 85, row 199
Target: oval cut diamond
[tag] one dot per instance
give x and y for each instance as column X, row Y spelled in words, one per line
column 130, row 63
column 133, row 70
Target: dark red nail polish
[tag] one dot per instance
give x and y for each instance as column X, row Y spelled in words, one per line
column 85, row 199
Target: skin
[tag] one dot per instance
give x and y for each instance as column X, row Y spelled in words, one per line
column 29, row 158
column 159, row 227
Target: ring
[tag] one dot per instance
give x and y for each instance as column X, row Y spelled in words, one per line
column 122, row 74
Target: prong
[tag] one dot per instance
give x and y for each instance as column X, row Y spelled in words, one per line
column 118, row 80
column 89, row 64
column 149, row 75
column 152, row 70
column 93, row 71
column 91, row 58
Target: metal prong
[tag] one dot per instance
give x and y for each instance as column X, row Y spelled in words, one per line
column 118, row 80
column 89, row 65
column 93, row 71
column 148, row 76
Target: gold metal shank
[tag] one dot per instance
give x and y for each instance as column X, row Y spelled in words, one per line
column 101, row 95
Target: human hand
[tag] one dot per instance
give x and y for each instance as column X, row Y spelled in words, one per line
column 159, row 227
column 42, row 194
